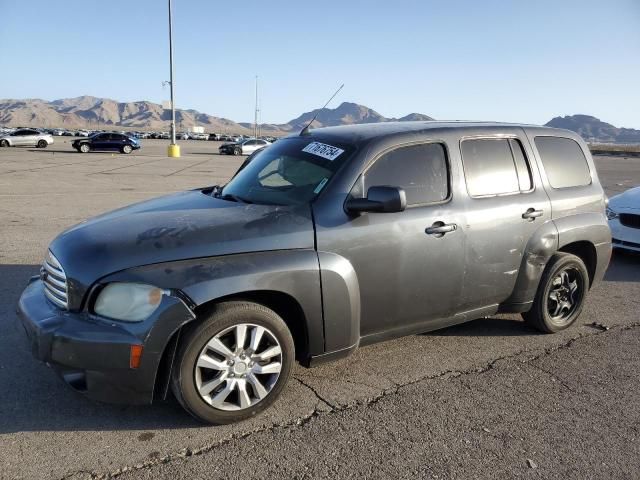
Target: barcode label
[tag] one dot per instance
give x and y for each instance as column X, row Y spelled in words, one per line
column 323, row 150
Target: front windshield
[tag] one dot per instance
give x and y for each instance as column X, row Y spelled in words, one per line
column 292, row 171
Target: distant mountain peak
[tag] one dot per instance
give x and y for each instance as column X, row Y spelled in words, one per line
column 595, row 130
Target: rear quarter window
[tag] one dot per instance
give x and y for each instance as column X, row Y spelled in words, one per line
column 563, row 161
column 489, row 167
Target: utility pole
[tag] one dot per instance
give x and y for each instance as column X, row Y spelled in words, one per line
column 173, row 150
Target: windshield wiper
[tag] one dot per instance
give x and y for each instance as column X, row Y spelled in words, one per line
column 233, row 198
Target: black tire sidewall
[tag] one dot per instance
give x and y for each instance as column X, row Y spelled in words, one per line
column 195, row 337
column 81, row 148
column 41, row 144
column 4, row 143
column 237, row 151
column 561, row 262
column 125, row 148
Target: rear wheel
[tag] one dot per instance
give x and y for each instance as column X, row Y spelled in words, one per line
column 126, row 149
column 42, row 144
column 234, row 364
column 4, row 143
column 84, row 148
column 561, row 294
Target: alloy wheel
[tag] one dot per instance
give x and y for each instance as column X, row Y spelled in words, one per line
column 564, row 295
column 238, row 367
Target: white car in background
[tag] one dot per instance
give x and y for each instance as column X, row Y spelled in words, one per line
column 623, row 213
column 26, row 137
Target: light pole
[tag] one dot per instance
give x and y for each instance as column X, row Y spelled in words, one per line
column 255, row 122
column 173, row 150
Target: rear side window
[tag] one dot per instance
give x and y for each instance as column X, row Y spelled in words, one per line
column 564, row 162
column 421, row 170
column 495, row 166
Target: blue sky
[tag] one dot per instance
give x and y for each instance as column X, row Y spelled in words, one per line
column 457, row 59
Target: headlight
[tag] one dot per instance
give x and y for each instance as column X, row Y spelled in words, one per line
column 611, row 214
column 129, row 302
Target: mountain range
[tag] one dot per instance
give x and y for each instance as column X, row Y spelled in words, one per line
column 94, row 112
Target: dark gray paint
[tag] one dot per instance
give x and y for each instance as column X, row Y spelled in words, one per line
column 357, row 278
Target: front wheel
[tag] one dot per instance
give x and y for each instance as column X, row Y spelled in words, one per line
column 126, row 149
column 84, row 148
column 234, row 364
column 4, row 143
column 42, row 144
column 561, row 294
column 237, row 151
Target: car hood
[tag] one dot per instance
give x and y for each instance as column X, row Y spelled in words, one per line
column 629, row 199
column 181, row 226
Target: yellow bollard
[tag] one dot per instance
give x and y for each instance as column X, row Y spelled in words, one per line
column 173, row 150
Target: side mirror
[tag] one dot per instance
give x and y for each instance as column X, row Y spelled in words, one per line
column 379, row 199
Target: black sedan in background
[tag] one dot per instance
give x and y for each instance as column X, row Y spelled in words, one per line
column 106, row 141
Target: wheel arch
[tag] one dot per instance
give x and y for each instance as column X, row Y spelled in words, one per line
column 283, row 304
column 586, row 251
column 585, row 235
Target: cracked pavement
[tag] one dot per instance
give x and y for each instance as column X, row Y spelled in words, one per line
column 490, row 398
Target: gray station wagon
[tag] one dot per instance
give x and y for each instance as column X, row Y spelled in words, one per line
column 325, row 241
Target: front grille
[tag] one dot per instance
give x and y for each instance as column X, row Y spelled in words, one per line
column 624, row 243
column 630, row 220
column 55, row 281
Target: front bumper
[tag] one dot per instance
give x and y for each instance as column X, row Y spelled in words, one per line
column 624, row 237
column 92, row 354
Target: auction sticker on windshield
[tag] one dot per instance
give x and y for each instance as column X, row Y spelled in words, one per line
column 323, row 150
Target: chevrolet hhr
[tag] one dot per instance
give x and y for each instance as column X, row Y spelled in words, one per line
column 324, row 242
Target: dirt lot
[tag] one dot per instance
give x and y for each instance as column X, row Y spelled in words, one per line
column 491, row 398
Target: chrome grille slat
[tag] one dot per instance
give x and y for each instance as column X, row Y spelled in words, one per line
column 55, row 281
column 62, row 293
column 55, row 299
column 53, row 270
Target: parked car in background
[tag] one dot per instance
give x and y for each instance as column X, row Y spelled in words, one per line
column 244, row 147
column 623, row 212
column 106, row 142
column 26, row 137
column 199, row 136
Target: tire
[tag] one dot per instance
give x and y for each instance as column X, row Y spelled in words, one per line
column 557, row 305
column 4, row 143
column 84, row 148
column 42, row 144
column 194, row 372
column 237, row 151
column 127, row 149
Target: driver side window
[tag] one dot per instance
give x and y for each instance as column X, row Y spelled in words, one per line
column 421, row 170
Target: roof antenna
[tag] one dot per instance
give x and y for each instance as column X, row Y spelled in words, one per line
column 305, row 130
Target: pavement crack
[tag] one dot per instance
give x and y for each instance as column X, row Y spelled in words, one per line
column 315, row 392
column 554, row 377
column 334, row 408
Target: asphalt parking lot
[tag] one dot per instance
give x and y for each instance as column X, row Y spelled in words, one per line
column 488, row 399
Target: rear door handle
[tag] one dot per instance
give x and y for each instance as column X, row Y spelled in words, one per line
column 532, row 214
column 440, row 228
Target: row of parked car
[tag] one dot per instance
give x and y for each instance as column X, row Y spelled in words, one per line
column 124, row 142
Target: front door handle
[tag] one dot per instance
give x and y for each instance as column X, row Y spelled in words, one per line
column 532, row 214
column 438, row 229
